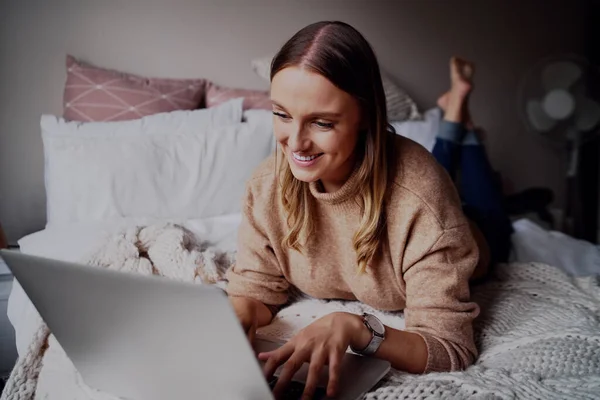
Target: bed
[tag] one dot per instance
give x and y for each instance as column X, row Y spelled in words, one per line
column 539, row 330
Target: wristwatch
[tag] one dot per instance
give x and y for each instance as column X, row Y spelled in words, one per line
column 377, row 330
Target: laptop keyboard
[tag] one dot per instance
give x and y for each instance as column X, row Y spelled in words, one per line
column 294, row 391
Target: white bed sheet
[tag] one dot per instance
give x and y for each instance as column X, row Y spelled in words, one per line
column 532, row 243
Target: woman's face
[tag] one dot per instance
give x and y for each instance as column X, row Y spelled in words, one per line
column 316, row 125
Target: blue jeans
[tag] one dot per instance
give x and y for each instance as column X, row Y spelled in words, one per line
column 460, row 151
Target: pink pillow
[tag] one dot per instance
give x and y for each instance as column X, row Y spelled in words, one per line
column 98, row 94
column 253, row 99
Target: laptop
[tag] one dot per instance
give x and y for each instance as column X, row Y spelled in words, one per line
column 151, row 338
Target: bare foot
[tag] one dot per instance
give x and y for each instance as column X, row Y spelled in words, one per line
column 461, row 74
column 442, row 101
column 461, row 84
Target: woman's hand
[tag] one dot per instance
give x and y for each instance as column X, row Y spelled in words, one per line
column 323, row 342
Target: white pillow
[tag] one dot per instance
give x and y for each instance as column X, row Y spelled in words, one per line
column 168, row 167
column 423, row 132
column 400, row 106
column 264, row 117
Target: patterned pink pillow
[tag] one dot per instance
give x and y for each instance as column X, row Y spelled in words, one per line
column 98, row 94
column 253, row 99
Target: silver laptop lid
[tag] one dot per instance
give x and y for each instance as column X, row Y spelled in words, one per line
column 142, row 338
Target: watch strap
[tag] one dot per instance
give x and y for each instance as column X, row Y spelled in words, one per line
column 375, row 342
column 373, row 345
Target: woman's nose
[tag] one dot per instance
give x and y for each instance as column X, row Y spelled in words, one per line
column 297, row 139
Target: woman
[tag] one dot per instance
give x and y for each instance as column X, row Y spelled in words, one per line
column 349, row 210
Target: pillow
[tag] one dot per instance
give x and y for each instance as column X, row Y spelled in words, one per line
column 400, row 106
column 174, row 166
column 262, row 66
column 423, row 132
column 264, row 117
column 253, row 99
column 97, row 94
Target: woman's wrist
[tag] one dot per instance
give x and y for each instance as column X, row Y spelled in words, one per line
column 360, row 335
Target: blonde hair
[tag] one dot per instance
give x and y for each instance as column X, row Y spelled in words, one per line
column 341, row 54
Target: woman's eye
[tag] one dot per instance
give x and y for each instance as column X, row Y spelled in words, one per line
column 324, row 125
column 281, row 115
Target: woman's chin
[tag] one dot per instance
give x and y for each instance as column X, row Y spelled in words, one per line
column 304, row 176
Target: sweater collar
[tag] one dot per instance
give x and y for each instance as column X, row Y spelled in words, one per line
column 346, row 192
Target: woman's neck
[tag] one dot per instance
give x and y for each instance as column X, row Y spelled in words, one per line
column 333, row 184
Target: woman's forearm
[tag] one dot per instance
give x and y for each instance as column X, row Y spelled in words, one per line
column 406, row 351
column 250, row 310
column 264, row 315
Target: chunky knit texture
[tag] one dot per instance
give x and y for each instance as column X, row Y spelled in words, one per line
column 422, row 266
column 538, row 336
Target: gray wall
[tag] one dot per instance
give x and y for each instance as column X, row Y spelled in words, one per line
column 217, row 39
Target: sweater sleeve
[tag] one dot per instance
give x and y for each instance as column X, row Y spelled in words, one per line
column 438, row 305
column 256, row 272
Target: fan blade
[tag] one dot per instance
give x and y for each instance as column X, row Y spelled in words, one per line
column 587, row 114
column 537, row 117
column 560, row 75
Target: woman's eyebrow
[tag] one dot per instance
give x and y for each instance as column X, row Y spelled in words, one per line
column 276, row 104
column 317, row 114
column 324, row 115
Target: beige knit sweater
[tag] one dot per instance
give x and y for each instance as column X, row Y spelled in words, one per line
column 423, row 265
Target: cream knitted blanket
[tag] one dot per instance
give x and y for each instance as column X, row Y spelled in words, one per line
column 538, row 335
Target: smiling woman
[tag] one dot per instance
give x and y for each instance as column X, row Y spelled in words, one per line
column 348, row 210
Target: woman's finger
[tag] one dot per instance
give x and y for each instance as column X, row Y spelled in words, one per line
column 317, row 360
column 264, row 356
column 276, row 358
column 291, row 366
column 335, row 363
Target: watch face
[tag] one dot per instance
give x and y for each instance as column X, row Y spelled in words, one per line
column 375, row 324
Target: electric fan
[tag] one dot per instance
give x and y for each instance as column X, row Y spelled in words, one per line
column 554, row 102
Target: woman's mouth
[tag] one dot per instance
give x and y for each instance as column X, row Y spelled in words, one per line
column 307, row 160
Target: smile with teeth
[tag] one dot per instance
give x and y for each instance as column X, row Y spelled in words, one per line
column 306, row 158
